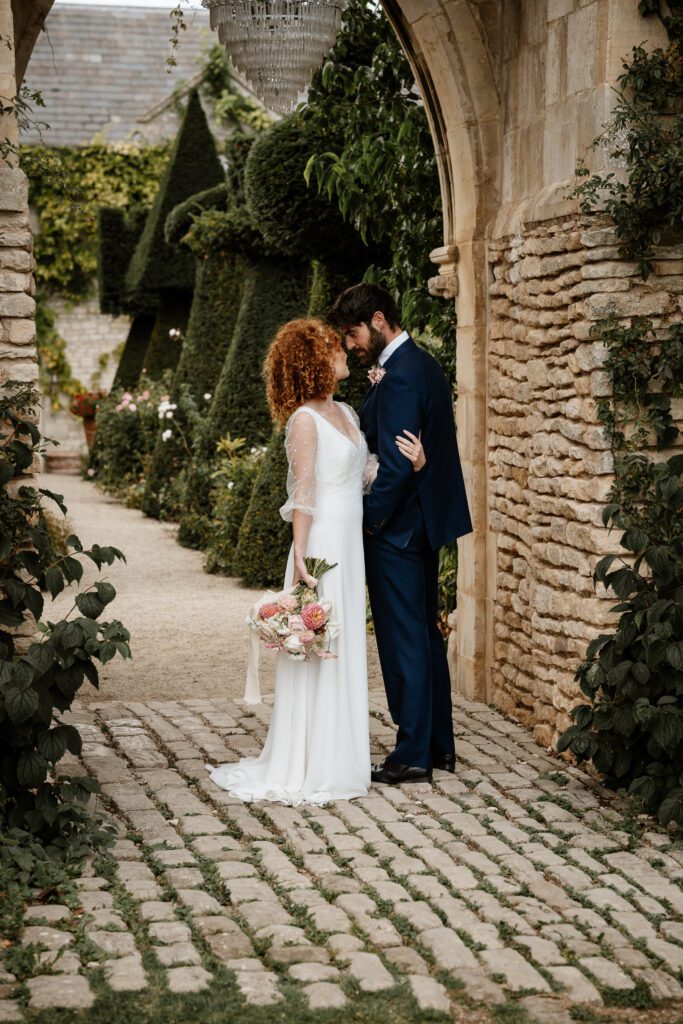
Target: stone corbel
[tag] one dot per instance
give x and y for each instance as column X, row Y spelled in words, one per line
column 445, row 284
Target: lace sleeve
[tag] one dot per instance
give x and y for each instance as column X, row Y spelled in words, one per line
column 370, row 472
column 301, row 445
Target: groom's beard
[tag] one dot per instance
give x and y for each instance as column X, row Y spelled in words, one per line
column 376, row 346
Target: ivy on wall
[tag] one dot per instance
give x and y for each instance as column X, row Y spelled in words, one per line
column 67, row 186
column 632, row 727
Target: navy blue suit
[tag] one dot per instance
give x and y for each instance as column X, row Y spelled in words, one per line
column 408, row 517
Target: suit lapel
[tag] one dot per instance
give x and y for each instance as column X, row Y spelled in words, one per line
column 407, row 345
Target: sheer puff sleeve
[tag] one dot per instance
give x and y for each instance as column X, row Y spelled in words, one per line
column 301, row 445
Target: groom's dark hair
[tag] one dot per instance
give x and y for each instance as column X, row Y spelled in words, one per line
column 359, row 303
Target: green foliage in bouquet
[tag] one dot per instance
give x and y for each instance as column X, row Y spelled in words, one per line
column 264, row 537
column 157, row 266
column 215, row 306
column 40, row 678
column 232, row 483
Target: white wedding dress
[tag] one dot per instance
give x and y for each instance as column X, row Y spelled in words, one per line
column 318, row 747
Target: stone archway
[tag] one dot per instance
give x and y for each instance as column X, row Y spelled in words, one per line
column 515, row 92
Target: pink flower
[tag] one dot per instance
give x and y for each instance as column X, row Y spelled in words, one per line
column 314, row 616
column 375, row 374
column 266, row 611
column 326, row 655
column 165, row 398
column 308, row 637
column 145, row 394
column 296, row 624
column 287, row 602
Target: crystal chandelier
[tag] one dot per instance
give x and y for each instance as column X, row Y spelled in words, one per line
column 276, row 44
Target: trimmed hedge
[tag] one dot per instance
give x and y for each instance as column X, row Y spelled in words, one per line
column 133, row 356
column 265, row 538
column 118, row 233
column 274, row 292
column 209, row 334
column 163, row 351
column 325, row 286
column 295, row 220
column 194, row 166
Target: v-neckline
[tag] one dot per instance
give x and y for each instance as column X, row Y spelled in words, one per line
column 356, row 444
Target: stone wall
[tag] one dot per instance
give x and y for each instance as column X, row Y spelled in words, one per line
column 18, row 358
column 549, row 463
column 90, row 336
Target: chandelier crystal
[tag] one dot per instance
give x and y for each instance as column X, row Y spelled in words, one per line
column 276, row 44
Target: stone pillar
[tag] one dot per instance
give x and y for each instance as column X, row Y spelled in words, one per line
column 18, row 358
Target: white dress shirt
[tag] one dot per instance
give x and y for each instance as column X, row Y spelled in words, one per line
column 391, row 347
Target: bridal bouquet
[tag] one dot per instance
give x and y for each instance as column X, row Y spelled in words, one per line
column 296, row 621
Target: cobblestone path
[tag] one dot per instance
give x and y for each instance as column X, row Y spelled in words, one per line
column 514, row 891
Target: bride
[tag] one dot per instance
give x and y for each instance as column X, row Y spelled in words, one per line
column 317, row 748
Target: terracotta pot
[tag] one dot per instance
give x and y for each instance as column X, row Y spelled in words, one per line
column 89, row 426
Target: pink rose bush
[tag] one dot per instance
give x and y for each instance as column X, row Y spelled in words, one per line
column 295, row 621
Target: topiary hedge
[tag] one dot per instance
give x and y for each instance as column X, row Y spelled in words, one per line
column 157, row 266
column 274, row 291
column 209, row 334
column 294, row 220
column 118, row 233
column 165, row 341
column 264, row 537
column 133, row 356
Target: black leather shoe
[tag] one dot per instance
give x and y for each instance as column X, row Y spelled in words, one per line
column 391, row 773
column 444, row 762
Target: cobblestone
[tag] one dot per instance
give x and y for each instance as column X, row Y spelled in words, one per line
column 432, row 891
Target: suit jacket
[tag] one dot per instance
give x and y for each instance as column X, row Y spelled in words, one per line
column 414, row 394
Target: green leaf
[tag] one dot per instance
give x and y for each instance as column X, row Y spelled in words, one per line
column 54, row 581
column 105, row 592
column 674, row 655
column 52, row 743
column 21, row 703
column 32, row 769
column 90, row 605
column 58, row 498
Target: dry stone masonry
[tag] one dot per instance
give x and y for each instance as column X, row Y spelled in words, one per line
column 18, row 359
column 550, row 463
column 516, row 881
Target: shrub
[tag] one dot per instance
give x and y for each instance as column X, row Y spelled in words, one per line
column 264, row 538
column 232, row 484
column 157, row 266
column 165, row 341
column 209, row 333
column 294, row 220
column 39, row 680
column 633, row 728
column 126, row 437
column 274, row 292
column 134, row 350
column 118, row 232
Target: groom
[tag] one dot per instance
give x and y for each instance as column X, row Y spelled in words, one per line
column 408, row 517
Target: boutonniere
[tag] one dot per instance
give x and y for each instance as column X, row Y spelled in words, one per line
column 375, row 374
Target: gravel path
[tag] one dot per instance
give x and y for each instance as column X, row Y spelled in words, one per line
column 188, row 636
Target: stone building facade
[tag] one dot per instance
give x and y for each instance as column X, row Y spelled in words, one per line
column 516, row 91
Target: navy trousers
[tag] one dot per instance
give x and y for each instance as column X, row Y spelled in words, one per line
column 403, row 588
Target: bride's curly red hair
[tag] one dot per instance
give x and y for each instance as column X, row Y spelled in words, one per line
column 299, row 367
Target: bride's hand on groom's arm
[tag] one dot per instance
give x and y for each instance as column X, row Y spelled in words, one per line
column 411, row 448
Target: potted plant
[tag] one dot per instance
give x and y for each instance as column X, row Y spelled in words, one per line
column 85, row 404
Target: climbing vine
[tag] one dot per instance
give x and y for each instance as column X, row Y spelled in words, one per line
column 644, row 136
column 632, row 729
